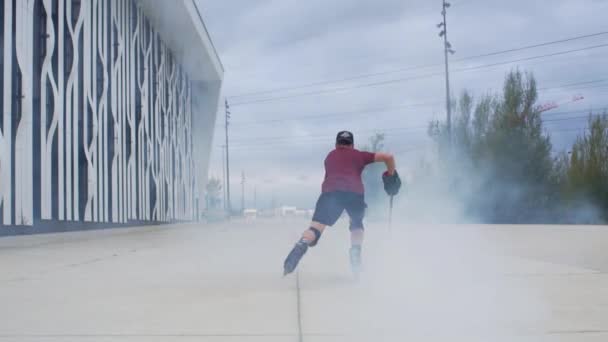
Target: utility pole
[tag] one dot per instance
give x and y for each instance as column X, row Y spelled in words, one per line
column 228, row 203
column 447, row 49
column 243, row 192
column 255, row 197
column 224, row 176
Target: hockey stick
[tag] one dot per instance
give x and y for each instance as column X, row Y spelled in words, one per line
column 390, row 214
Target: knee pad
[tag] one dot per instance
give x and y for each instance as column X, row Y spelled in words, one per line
column 317, row 236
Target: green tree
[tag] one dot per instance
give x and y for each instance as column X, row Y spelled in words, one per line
column 499, row 150
column 587, row 170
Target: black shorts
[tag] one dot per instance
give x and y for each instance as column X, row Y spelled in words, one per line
column 332, row 204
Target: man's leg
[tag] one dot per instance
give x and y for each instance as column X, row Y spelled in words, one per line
column 313, row 233
column 357, row 236
column 356, row 244
column 356, row 211
column 327, row 212
column 310, row 238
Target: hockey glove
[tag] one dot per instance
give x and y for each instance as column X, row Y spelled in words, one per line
column 392, row 183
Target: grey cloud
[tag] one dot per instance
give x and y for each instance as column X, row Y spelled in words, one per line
column 310, row 19
column 270, row 44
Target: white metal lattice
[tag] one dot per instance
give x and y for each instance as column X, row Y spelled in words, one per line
column 115, row 118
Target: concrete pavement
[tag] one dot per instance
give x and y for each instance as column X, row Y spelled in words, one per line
column 223, row 282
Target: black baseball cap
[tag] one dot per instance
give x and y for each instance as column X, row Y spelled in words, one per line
column 345, row 138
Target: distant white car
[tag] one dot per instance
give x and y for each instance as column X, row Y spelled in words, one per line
column 250, row 214
column 287, row 211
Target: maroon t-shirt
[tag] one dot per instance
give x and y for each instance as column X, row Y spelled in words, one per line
column 343, row 168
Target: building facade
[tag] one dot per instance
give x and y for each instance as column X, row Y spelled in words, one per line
column 108, row 109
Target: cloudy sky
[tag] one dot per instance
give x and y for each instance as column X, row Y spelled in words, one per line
column 299, row 71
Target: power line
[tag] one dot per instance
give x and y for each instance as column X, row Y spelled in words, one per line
column 256, row 141
column 490, row 54
column 534, row 57
column 399, row 152
column 578, row 129
column 325, row 138
column 362, row 76
column 398, row 149
column 592, row 87
column 590, row 115
column 279, row 145
column 573, row 84
column 552, row 114
column 405, row 136
column 335, row 114
column 324, row 141
column 399, row 80
column 392, row 108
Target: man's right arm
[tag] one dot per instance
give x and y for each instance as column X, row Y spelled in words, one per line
column 388, row 159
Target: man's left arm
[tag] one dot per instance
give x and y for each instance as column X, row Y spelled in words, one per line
column 388, row 159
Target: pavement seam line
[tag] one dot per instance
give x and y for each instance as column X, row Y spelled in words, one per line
column 299, row 308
